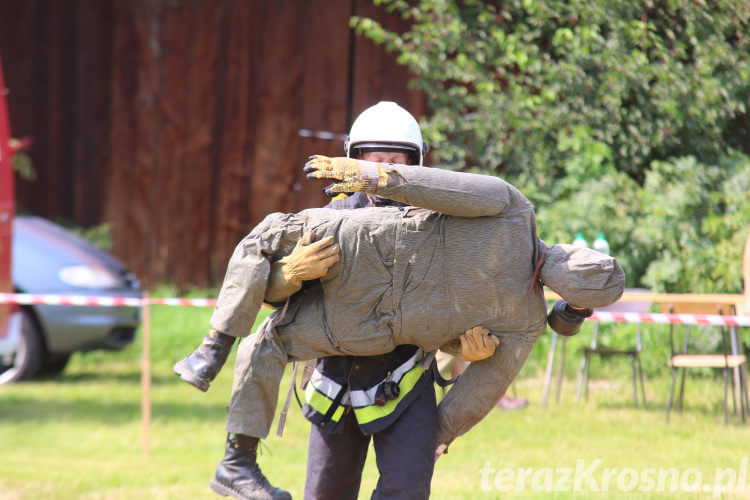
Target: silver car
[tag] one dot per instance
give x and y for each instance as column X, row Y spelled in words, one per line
column 47, row 259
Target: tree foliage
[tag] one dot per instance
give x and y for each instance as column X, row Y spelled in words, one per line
column 683, row 230
column 615, row 117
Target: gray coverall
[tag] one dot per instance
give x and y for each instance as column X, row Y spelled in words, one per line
column 409, row 276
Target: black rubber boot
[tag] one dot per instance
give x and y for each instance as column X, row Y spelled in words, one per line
column 201, row 366
column 238, row 474
column 565, row 320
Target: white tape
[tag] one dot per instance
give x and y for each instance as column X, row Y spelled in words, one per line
column 681, row 319
column 604, row 317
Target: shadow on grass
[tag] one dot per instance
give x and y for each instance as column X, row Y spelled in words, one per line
column 17, row 408
column 708, row 410
column 161, row 376
column 650, row 406
column 132, row 377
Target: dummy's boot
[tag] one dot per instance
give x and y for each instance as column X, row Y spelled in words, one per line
column 238, row 474
column 565, row 319
column 202, row 365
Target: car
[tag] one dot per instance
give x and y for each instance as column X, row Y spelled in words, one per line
column 48, row 259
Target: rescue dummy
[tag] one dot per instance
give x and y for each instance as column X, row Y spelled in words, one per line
column 423, row 276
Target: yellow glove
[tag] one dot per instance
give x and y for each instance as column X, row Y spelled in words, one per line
column 355, row 175
column 477, row 344
column 308, row 261
column 474, row 345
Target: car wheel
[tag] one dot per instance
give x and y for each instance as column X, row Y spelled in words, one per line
column 28, row 355
column 53, row 364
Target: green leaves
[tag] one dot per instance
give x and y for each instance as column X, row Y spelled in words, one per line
column 683, row 230
column 644, row 80
column 618, row 117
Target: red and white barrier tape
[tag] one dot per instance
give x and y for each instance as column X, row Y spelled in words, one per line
column 68, row 300
column 679, row 319
column 86, row 300
column 184, row 302
column 604, row 317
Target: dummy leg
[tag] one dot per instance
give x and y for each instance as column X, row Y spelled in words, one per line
column 261, row 359
column 240, row 298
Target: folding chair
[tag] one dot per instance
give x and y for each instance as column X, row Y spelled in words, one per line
column 604, row 352
column 730, row 357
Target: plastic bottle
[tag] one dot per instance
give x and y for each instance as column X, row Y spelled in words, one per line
column 601, row 244
column 580, row 241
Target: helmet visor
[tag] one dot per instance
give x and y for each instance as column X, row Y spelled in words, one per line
column 371, row 147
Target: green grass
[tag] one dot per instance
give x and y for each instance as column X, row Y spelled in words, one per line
column 79, row 436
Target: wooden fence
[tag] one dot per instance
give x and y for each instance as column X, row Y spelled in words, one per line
column 178, row 120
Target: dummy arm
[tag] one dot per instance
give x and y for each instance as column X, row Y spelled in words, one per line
column 474, row 345
column 452, row 193
column 308, row 261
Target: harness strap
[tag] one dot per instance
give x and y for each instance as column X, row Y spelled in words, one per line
column 307, row 372
column 269, row 335
column 335, row 404
column 535, row 281
column 428, row 359
column 282, row 415
column 439, row 380
column 430, row 363
column 306, row 375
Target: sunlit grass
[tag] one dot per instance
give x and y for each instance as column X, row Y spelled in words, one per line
column 80, row 436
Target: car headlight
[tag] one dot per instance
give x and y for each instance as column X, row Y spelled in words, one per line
column 89, row 277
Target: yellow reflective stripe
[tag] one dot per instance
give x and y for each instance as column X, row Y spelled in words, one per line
column 366, row 397
column 340, row 196
column 369, row 413
column 321, row 404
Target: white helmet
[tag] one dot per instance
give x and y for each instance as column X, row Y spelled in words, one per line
column 386, row 126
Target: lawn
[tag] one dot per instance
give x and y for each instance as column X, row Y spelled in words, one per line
column 79, row 436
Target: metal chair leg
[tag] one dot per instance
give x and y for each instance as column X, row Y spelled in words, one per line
column 726, row 417
column 671, row 392
column 682, row 388
column 643, row 385
column 560, row 369
column 735, row 345
column 734, row 389
column 635, row 383
column 548, row 370
column 743, row 391
column 579, row 382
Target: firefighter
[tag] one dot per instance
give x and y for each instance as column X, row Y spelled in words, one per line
column 408, row 276
column 352, row 400
column 389, row 399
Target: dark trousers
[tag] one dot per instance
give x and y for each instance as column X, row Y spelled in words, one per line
column 404, row 452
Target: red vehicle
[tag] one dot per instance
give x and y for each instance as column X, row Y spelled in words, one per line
column 10, row 320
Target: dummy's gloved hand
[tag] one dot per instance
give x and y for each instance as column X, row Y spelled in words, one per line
column 355, row 175
column 474, row 345
column 477, row 344
column 308, row 261
column 566, row 319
